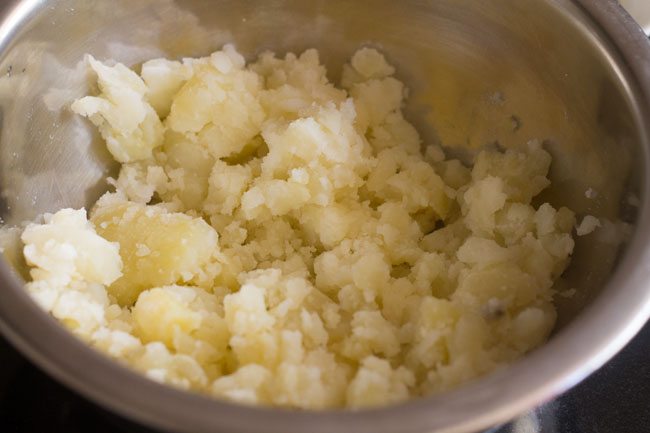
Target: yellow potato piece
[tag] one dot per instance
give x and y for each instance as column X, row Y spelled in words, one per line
column 157, row 247
column 159, row 312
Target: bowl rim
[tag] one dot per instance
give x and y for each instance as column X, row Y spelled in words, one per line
column 610, row 321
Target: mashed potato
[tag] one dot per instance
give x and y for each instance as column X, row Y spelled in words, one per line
column 274, row 239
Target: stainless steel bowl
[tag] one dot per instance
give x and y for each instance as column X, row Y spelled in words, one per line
column 574, row 73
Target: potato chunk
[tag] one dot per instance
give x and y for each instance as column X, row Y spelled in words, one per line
column 161, row 311
column 158, row 248
column 126, row 121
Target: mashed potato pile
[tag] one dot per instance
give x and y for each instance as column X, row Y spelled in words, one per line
column 274, row 239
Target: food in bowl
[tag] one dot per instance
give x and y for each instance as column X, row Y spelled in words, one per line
column 275, row 239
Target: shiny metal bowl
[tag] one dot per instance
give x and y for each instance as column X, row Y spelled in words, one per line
column 573, row 73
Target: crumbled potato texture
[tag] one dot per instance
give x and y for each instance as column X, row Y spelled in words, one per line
column 274, row 239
